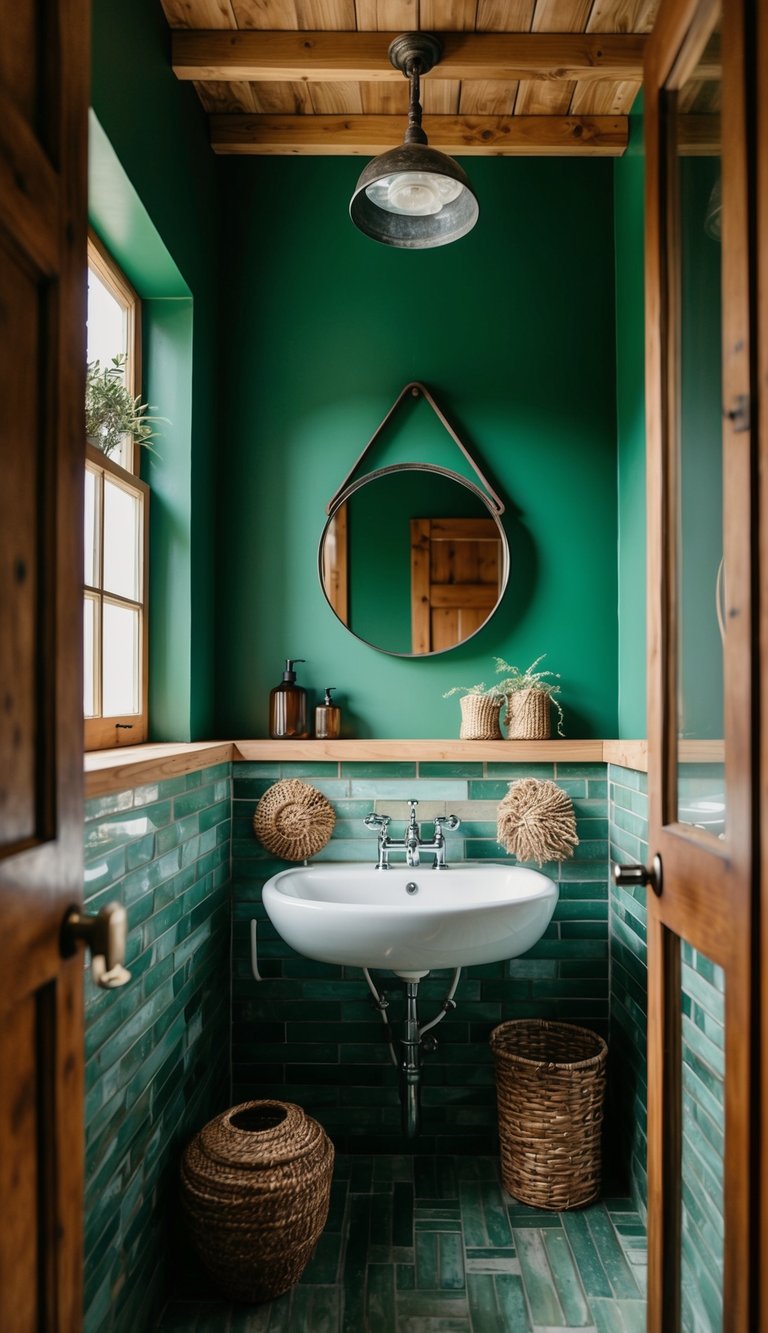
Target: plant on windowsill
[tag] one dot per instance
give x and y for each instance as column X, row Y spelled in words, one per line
column 112, row 411
column 529, row 694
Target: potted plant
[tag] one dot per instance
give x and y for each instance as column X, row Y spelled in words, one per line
column 111, row 411
column 480, row 709
column 529, row 694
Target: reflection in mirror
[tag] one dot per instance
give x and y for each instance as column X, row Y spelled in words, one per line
column 695, row 425
column 413, row 560
column 703, row 1086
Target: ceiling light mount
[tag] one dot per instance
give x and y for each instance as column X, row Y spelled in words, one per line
column 414, row 197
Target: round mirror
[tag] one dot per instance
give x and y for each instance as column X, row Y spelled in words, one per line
column 413, row 559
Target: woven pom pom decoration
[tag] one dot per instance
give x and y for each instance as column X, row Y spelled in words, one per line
column 536, row 821
column 293, row 820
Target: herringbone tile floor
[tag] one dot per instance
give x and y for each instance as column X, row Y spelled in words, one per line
column 434, row 1245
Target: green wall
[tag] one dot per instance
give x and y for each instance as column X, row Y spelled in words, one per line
column 513, row 330
column 158, row 214
column 628, row 195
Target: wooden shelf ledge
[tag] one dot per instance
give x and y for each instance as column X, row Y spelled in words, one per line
column 131, row 766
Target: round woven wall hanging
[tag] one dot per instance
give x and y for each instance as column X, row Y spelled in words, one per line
column 293, row 820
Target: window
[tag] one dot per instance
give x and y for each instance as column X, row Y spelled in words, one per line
column 116, row 530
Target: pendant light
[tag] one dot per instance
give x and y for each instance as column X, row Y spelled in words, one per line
column 413, row 196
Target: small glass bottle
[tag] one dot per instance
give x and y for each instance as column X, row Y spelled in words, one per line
column 288, row 706
column 327, row 718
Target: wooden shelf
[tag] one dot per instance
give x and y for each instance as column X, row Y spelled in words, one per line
column 129, row 766
column 427, row 751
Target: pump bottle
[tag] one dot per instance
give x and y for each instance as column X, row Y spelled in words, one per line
column 288, row 706
column 327, row 717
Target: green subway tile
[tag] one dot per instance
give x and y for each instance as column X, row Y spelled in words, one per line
column 96, row 807
column 576, row 788
column 380, row 1308
column 512, row 1303
column 450, row 1262
column 487, row 791
column 588, row 1260
column 249, row 769
column 450, row 770
column 385, row 789
column 311, row 768
column 481, row 1292
column 360, row 772
column 102, row 873
column 512, row 771
column 567, row 1282
column 611, row 1254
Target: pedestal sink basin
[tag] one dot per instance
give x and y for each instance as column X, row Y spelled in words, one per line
column 410, row 920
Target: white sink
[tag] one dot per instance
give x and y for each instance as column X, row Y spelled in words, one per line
column 473, row 912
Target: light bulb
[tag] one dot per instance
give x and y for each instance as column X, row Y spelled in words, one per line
column 417, row 193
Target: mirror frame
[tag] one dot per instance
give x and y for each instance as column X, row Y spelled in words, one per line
column 432, row 468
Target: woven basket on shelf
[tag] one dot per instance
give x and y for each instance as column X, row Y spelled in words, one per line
column 527, row 715
column 480, row 718
column 255, row 1188
column 293, row 820
column 550, row 1086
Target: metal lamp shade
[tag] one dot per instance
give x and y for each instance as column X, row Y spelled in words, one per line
column 413, row 231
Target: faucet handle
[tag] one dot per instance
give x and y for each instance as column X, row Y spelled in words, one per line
column 376, row 821
column 447, row 821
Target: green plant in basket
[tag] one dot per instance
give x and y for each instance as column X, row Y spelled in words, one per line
column 545, row 682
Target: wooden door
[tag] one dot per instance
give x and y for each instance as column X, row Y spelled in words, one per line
column 702, row 664
column 456, row 568
column 44, row 55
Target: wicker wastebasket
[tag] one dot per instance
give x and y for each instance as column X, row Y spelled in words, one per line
column 255, row 1189
column 550, row 1085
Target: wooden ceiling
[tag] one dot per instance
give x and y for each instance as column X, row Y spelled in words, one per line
column 533, row 77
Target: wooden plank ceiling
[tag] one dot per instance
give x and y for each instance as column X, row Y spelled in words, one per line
column 535, row 77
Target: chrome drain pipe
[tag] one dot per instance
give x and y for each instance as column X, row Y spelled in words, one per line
column 412, row 1044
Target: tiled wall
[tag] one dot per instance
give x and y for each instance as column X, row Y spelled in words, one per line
column 628, row 808
column 308, row 1032
column 156, row 1051
column 703, row 1063
column 157, row 1064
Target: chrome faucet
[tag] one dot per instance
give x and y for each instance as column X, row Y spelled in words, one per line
column 412, row 842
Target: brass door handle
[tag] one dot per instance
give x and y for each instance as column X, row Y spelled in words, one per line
column 105, row 936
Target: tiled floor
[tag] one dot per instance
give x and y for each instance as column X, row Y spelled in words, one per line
column 433, row 1245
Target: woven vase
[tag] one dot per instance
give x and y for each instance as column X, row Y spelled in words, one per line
column 480, row 718
column 527, row 716
column 255, row 1189
column 550, row 1087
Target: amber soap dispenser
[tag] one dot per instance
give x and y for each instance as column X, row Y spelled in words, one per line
column 327, row 718
column 288, row 706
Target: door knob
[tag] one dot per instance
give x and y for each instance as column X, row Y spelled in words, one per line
column 105, row 936
column 638, row 876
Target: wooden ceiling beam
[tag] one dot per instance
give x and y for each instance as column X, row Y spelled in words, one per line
column 462, row 136
column 361, row 57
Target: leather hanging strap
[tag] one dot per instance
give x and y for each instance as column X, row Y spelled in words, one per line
column 416, row 390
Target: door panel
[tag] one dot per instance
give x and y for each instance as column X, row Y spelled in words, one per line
column 44, row 59
column 456, row 570
column 701, row 707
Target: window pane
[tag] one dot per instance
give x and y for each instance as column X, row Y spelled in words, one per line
column 91, row 575
column 108, row 338
column 121, row 660
column 90, row 683
column 122, row 562
column 107, row 324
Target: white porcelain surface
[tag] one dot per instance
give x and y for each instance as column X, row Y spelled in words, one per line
column 473, row 912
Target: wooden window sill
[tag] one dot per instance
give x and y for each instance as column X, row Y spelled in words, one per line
column 130, row 766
